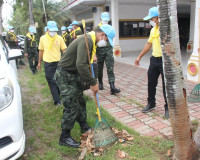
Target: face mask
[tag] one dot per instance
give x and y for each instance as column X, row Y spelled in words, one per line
column 69, row 30
column 12, row 30
column 104, row 22
column 31, row 33
column 102, row 43
column 52, row 34
column 63, row 32
column 152, row 23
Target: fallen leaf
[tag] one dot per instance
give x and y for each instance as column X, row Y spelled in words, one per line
column 121, row 154
column 96, row 154
column 169, row 153
column 130, row 138
column 83, row 153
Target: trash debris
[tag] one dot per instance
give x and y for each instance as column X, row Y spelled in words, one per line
column 87, row 143
column 122, row 154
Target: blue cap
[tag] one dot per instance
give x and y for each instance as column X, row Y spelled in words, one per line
column 109, row 31
column 153, row 12
column 31, row 29
column 10, row 27
column 105, row 16
column 75, row 23
column 45, row 28
column 63, row 28
column 52, row 26
column 70, row 27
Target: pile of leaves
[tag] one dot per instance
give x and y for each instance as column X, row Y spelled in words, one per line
column 87, row 143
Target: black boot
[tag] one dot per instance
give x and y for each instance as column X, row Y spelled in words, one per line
column 113, row 90
column 100, row 84
column 166, row 111
column 67, row 140
column 84, row 127
column 21, row 62
column 148, row 108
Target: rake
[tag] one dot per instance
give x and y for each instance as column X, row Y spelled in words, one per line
column 103, row 134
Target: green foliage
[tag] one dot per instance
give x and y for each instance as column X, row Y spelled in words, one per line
column 20, row 19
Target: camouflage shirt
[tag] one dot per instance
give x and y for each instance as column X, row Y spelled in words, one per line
column 76, row 58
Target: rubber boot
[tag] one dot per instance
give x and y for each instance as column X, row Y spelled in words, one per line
column 166, row 111
column 113, row 90
column 100, row 84
column 67, row 140
column 84, row 127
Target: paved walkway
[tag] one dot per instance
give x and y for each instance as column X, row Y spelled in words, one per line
column 127, row 105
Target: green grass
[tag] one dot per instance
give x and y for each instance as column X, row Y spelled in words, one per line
column 42, row 127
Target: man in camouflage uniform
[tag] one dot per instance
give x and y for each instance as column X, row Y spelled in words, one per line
column 72, row 69
column 76, row 30
column 66, row 36
column 12, row 41
column 30, row 50
column 106, row 54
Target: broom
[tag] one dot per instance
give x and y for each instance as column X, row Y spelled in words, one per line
column 103, row 134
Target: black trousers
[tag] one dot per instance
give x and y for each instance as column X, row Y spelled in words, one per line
column 50, row 69
column 154, row 71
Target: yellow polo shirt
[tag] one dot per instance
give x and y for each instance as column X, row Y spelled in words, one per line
column 154, row 38
column 51, row 47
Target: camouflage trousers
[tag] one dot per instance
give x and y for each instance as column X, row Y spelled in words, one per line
column 33, row 57
column 105, row 54
column 71, row 91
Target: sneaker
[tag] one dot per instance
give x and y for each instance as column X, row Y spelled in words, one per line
column 148, row 108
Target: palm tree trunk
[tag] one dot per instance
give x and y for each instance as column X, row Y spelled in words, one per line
column 185, row 147
column 31, row 21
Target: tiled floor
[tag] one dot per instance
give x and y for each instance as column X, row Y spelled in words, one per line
column 127, row 105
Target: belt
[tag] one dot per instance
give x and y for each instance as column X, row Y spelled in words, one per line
column 157, row 57
column 69, row 71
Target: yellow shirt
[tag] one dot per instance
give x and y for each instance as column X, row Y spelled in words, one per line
column 155, row 40
column 51, row 47
column 93, row 35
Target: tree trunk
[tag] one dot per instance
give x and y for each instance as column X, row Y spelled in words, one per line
column 185, row 147
column 1, row 19
column 31, row 21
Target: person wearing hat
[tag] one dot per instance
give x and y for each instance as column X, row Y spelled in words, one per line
column 105, row 54
column 30, row 50
column 72, row 70
column 155, row 68
column 11, row 38
column 50, row 46
column 66, row 36
column 76, row 30
column 12, row 41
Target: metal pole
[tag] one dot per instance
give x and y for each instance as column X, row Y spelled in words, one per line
column 45, row 14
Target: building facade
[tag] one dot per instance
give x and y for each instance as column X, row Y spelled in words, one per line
column 127, row 19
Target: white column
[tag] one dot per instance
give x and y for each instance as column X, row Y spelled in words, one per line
column 97, row 16
column 192, row 21
column 115, row 24
column 193, row 72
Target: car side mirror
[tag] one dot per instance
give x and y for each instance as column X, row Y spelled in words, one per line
column 14, row 54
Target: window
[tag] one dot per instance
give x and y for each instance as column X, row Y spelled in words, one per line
column 137, row 29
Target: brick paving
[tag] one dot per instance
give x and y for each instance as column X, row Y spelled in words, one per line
column 127, row 105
